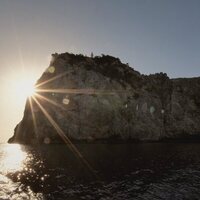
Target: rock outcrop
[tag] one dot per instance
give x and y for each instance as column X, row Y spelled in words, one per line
column 94, row 98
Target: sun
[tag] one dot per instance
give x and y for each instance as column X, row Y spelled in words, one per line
column 21, row 87
column 25, row 88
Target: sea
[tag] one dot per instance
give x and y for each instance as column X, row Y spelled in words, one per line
column 138, row 171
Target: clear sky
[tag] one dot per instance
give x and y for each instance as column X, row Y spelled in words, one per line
column 150, row 35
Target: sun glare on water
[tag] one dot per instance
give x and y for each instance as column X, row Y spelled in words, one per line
column 12, row 158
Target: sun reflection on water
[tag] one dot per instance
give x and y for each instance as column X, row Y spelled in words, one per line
column 14, row 172
column 13, row 158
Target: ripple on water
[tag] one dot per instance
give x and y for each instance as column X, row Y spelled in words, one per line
column 140, row 172
column 10, row 190
column 14, row 162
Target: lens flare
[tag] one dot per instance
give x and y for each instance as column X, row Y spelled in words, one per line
column 21, row 88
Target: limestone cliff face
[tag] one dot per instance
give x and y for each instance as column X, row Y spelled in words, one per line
column 101, row 98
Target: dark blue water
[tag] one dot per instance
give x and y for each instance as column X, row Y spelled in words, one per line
column 117, row 171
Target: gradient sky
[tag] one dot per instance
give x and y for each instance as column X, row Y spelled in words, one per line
column 150, row 35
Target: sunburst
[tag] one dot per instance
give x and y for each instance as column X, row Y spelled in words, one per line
column 38, row 94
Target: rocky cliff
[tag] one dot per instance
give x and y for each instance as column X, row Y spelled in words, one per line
column 94, row 98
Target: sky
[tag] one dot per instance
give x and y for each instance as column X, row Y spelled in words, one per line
column 151, row 35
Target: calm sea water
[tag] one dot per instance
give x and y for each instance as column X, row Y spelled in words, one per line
column 116, row 171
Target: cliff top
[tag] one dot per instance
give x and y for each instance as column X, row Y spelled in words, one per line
column 109, row 66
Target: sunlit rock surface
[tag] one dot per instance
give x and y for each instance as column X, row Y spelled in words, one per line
column 100, row 98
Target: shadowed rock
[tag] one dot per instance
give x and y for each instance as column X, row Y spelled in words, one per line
column 100, row 98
